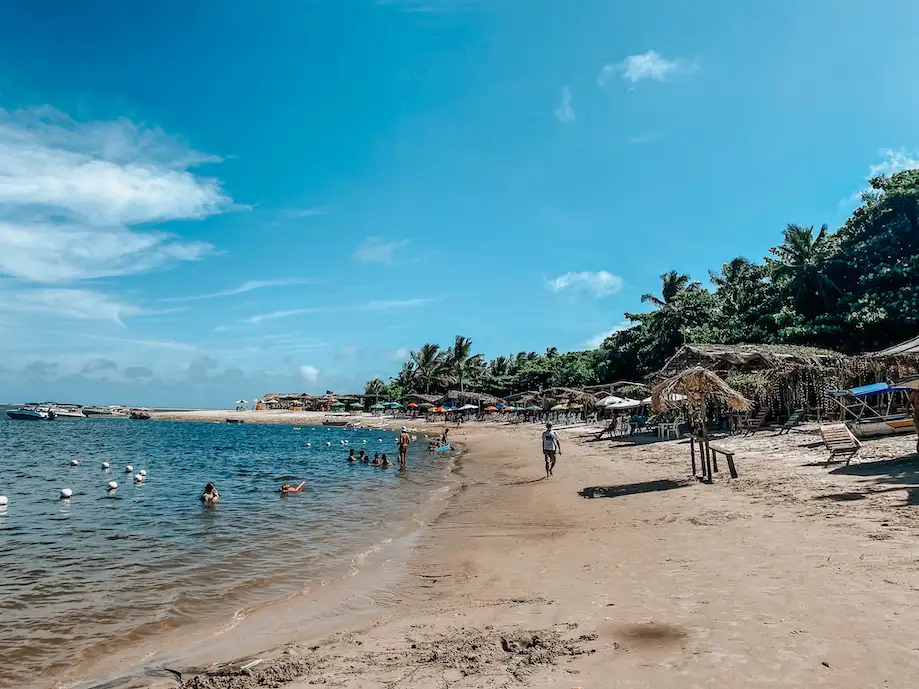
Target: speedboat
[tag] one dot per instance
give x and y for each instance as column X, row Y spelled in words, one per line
column 68, row 412
column 25, row 414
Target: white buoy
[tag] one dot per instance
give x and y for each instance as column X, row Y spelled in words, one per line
column 129, row 469
column 364, row 442
column 143, row 472
column 74, row 462
column 309, row 444
column 138, row 478
column 66, row 493
column 380, row 440
column 345, row 442
column 112, row 485
column 328, row 444
column 4, row 501
column 105, row 465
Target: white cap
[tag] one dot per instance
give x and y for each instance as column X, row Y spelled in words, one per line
column 404, row 428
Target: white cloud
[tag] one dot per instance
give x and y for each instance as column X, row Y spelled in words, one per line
column 378, row 250
column 369, row 306
column 305, row 212
column 598, row 339
column 70, row 192
column 309, row 373
column 248, row 286
column 650, row 65
column 70, row 303
column 892, row 162
column 600, row 283
column 401, row 354
column 564, row 112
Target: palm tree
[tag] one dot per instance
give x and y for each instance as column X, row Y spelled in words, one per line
column 674, row 284
column 407, row 375
column 459, row 359
column 500, row 366
column 430, row 366
column 803, row 259
column 374, row 388
column 551, row 352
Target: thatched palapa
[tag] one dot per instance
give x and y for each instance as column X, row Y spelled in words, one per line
column 696, row 387
column 465, row 397
column 554, row 396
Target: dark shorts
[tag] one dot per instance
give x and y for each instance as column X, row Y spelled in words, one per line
column 550, row 454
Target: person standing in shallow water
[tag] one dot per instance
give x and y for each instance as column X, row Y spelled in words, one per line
column 404, row 440
column 551, row 446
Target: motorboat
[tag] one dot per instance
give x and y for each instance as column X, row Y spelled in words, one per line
column 875, row 410
column 26, row 414
column 138, row 415
column 67, row 412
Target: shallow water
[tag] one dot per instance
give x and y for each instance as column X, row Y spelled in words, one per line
column 80, row 573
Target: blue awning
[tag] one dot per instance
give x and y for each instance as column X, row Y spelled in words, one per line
column 867, row 390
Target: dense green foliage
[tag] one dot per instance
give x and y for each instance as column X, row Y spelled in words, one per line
column 853, row 290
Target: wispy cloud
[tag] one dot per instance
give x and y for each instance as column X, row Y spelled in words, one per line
column 137, row 372
column 644, row 139
column 71, row 303
column 98, row 365
column 306, row 212
column 369, row 306
column 598, row 339
column 651, row 65
column 71, row 192
column 400, row 354
column 892, row 161
column 564, row 112
column 309, row 373
column 599, row 284
column 377, row 249
column 248, row 286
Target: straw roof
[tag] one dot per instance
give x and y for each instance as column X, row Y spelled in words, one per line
column 732, row 356
column 467, row 397
column 699, row 385
column 554, row 396
column 908, row 348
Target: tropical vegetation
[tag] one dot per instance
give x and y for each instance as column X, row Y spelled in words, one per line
column 852, row 290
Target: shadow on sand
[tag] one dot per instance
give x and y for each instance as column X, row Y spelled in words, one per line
column 631, row 488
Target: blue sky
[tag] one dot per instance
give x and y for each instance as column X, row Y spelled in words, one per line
column 206, row 200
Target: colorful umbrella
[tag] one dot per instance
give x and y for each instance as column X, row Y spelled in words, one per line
column 378, row 406
column 412, row 405
column 438, row 410
column 490, row 408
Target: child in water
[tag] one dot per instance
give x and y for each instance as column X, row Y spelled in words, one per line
column 210, row 496
column 364, row 457
column 287, row 488
column 351, row 457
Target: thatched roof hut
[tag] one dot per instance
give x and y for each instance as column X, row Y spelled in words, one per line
column 697, row 387
column 555, row 396
column 784, row 377
column 465, row 397
column 418, row 398
column 899, row 361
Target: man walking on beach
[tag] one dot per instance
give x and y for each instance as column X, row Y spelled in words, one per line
column 404, row 440
column 550, row 447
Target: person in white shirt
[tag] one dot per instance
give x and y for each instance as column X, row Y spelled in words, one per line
column 551, row 446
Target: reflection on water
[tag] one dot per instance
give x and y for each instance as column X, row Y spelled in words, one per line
column 149, row 557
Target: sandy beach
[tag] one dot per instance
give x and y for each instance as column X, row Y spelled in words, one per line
column 623, row 571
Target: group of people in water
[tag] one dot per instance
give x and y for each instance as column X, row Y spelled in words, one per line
column 210, row 497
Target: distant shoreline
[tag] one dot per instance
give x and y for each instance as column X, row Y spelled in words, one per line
column 286, row 418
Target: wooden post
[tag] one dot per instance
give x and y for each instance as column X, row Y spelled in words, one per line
column 708, row 456
column 692, row 451
column 731, row 466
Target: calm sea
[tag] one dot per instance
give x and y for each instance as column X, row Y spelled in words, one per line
column 100, row 568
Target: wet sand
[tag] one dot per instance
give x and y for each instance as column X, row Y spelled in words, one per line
column 621, row 570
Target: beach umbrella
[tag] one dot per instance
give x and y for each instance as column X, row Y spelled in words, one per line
column 241, row 402
column 355, row 405
column 533, row 408
column 510, row 408
column 575, row 406
column 338, row 405
column 560, row 407
column 468, row 407
column 425, row 405
column 491, row 408
column 411, row 405
column 438, row 410
column 378, row 406
column 393, row 405
column 500, row 405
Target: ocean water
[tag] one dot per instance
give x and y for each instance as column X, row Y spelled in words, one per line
column 79, row 575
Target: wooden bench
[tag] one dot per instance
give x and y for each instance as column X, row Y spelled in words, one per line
column 839, row 441
column 728, row 455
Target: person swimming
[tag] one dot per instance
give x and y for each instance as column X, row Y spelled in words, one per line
column 351, row 457
column 210, row 496
column 287, row 488
column 364, row 457
column 384, row 461
column 376, row 460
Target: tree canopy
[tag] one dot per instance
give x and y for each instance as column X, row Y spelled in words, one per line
column 852, row 290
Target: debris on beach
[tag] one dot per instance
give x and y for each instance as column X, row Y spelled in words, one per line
column 252, row 675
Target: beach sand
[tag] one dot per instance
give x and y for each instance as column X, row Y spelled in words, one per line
column 623, row 571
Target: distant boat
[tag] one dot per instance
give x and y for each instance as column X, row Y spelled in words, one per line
column 67, row 412
column 105, row 412
column 25, row 414
column 139, row 416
